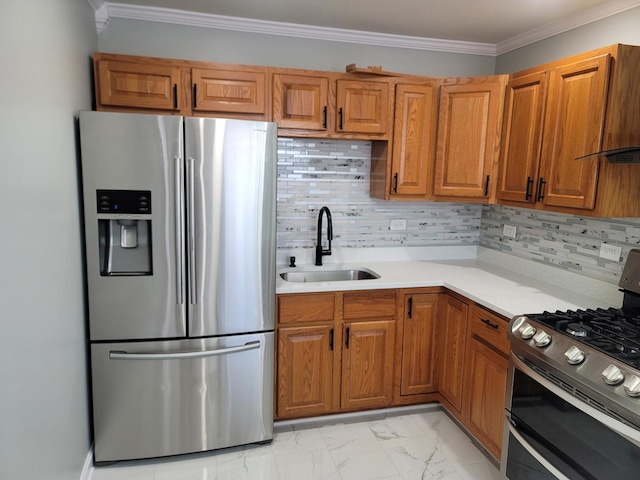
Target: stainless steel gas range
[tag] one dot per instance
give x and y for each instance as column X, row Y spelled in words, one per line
column 573, row 393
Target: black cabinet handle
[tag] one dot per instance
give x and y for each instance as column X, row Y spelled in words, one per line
column 340, row 117
column 195, row 95
column 486, row 186
column 395, row 183
column 346, row 336
column 324, row 113
column 527, row 195
column 541, row 184
column 489, row 323
column 331, row 340
column 410, row 307
column 175, row 96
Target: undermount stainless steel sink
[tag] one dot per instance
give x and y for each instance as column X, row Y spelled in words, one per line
column 329, row 275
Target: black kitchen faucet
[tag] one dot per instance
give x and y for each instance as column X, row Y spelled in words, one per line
column 319, row 250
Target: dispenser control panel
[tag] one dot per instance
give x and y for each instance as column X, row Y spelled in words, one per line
column 124, row 201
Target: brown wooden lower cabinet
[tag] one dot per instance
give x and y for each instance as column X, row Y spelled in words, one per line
column 358, row 350
column 336, row 352
column 418, row 355
column 486, row 379
column 451, row 335
column 367, row 365
column 305, row 371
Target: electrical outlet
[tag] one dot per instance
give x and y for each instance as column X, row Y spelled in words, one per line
column 398, row 224
column 610, row 252
column 509, row 231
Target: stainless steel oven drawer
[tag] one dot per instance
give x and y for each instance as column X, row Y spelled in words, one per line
column 153, row 399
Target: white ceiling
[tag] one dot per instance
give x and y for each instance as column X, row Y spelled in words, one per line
column 486, row 26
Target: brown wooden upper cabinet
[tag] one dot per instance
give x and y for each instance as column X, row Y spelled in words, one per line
column 301, row 101
column 468, row 138
column 157, row 85
column 325, row 104
column 522, row 137
column 558, row 112
column 152, row 86
column 362, row 106
column 229, row 89
column 413, row 141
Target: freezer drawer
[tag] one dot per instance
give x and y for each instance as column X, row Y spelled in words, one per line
column 153, row 399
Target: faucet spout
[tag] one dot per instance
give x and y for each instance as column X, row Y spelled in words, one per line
column 319, row 250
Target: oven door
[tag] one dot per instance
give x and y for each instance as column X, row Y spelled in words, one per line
column 551, row 434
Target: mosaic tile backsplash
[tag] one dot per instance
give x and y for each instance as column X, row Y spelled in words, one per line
column 565, row 241
column 314, row 173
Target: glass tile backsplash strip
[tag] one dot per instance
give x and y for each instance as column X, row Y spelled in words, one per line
column 565, row 241
column 313, row 173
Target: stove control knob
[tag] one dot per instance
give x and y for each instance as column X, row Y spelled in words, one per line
column 542, row 339
column 632, row 386
column 574, row 355
column 526, row 331
column 612, row 375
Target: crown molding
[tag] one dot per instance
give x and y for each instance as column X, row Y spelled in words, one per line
column 194, row 19
column 104, row 11
column 591, row 15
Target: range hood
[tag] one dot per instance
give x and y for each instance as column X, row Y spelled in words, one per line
column 619, row 155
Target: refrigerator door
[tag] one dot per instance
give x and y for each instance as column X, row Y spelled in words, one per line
column 231, row 185
column 153, row 399
column 134, row 256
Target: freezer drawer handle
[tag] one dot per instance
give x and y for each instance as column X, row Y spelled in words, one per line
column 119, row 355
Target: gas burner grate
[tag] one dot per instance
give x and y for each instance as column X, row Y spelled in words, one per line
column 612, row 331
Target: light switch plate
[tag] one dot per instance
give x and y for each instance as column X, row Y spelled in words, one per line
column 398, row 224
column 509, row 231
column 610, row 252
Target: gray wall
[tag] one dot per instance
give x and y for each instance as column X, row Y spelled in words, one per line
column 621, row 28
column 138, row 37
column 44, row 53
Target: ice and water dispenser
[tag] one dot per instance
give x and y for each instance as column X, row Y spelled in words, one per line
column 124, row 232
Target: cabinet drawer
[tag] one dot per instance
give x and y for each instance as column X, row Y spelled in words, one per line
column 311, row 307
column 491, row 328
column 369, row 304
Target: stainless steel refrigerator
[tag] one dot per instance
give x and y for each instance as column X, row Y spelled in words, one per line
column 179, row 220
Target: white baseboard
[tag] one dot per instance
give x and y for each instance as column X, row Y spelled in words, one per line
column 87, row 469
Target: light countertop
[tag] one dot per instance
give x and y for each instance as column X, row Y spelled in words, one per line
column 500, row 282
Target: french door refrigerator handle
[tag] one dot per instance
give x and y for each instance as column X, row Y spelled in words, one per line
column 119, row 355
column 191, row 229
column 179, row 206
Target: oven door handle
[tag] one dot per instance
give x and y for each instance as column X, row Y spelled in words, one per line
column 533, row 452
column 624, row 430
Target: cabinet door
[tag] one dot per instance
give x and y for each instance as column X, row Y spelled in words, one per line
column 363, row 106
column 413, row 139
column 300, row 101
column 451, row 338
column 522, row 137
column 147, row 86
column 305, row 371
column 468, row 137
column 573, row 128
column 229, row 90
column 367, row 364
column 418, row 354
column 485, row 385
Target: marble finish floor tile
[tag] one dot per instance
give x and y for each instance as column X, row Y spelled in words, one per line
column 412, row 446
